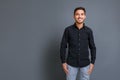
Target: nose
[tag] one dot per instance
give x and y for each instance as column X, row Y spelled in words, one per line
column 79, row 16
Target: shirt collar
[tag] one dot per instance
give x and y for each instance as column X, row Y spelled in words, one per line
column 77, row 27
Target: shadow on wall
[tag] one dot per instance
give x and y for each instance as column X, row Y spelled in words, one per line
column 52, row 65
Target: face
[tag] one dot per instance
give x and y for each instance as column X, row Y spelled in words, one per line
column 79, row 16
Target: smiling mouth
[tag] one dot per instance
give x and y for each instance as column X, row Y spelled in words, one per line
column 80, row 19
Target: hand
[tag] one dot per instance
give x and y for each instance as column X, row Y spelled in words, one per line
column 65, row 68
column 91, row 68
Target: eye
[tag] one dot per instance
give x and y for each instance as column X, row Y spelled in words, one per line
column 82, row 13
column 77, row 14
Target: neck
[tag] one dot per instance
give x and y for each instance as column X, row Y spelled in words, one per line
column 79, row 25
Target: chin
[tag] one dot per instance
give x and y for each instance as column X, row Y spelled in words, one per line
column 79, row 22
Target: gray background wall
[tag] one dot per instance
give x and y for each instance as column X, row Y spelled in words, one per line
column 31, row 30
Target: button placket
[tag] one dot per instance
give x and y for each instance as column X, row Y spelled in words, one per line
column 79, row 48
column 79, row 42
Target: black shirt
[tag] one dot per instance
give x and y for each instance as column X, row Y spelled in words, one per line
column 79, row 42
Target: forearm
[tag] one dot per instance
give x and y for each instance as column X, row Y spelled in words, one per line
column 93, row 55
column 63, row 54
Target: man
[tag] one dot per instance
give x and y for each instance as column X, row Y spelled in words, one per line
column 79, row 39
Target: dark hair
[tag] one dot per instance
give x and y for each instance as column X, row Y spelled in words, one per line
column 79, row 8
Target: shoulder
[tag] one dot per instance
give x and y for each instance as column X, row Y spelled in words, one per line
column 88, row 29
column 68, row 27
